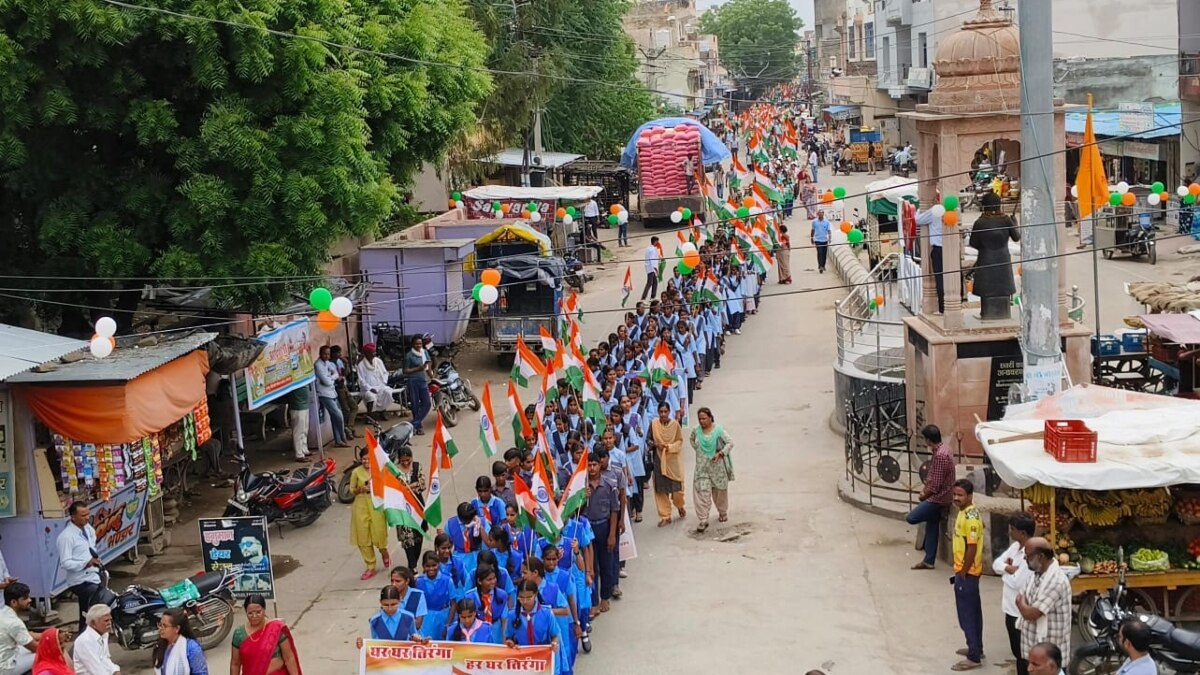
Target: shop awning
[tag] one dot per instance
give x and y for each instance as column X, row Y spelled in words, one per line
column 1163, row 123
column 842, row 112
column 135, row 392
column 1181, row 328
column 516, row 157
column 22, row 349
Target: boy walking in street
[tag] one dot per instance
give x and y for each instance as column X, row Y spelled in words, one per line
column 968, row 567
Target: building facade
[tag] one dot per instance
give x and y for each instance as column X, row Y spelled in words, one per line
column 666, row 33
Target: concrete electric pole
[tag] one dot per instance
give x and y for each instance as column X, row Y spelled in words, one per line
column 1040, row 341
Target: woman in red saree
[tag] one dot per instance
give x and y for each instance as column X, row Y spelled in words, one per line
column 50, row 658
column 262, row 646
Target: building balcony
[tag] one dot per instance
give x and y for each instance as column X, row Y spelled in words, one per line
column 1189, row 77
column 897, row 12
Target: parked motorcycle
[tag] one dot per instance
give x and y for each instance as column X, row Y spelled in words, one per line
column 1175, row 648
column 458, row 387
column 392, row 440
column 575, row 276
column 138, row 609
column 297, row 497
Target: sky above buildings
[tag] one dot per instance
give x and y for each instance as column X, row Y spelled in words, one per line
column 803, row 7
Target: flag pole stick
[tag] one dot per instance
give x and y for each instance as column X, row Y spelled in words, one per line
column 1095, row 281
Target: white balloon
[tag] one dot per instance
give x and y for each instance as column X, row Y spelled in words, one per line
column 623, row 217
column 535, row 217
column 567, row 219
column 1122, row 187
column 1075, row 191
column 101, row 346
column 341, row 307
column 687, row 247
column 498, row 214
column 839, row 205
column 458, row 204
column 489, row 294
column 106, row 327
column 1182, row 190
column 676, row 216
column 937, row 210
column 755, row 211
column 1153, row 199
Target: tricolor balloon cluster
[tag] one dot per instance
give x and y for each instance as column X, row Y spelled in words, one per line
column 834, row 198
column 487, row 291
column 748, row 208
column 330, row 310
column 103, row 343
column 681, row 215
column 875, row 303
column 947, row 210
column 456, row 201
column 566, row 214
column 1119, row 194
column 690, row 259
column 617, row 215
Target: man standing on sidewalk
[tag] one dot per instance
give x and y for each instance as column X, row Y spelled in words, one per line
column 652, row 259
column 1014, row 573
column 968, row 567
column 1045, row 606
column 820, row 239
column 935, row 496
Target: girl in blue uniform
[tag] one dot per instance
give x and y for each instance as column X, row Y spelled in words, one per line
column 439, row 596
column 487, row 504
column 572, row 630
column 449, row 567
column 392, row 623
column 468, row 627
column 491, row 601
column 508, row 558
column 531, row 623
column 550, row 595
column 575, row 557
column 466, row 534
column 412, row 600
column 504, row 580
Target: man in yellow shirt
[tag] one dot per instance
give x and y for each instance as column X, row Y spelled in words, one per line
column 968, row 566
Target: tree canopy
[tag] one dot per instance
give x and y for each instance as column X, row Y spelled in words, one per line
column 144, row 144
column 758, row 40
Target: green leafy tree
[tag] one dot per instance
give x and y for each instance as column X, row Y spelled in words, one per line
column 138, row 143
column 758, row 40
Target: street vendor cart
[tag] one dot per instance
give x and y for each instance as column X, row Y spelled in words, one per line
column 863, row 140
column 1141, row 492
column 1126, row 230
column 883, row 215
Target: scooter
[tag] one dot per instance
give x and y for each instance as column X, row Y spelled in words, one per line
column 297, row 497
column 575, row 276
column 458, row 387
column 138, row 609
column 1176, row 648
column 396, row 437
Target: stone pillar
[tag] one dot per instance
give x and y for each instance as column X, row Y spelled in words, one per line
column 927, row 192
column 952, row 243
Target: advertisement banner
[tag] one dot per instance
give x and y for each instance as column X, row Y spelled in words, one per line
column 8, row 504
column 383, row 657
column 118, row 524
column 285, row 365
column 482, row 208
column 239, row 544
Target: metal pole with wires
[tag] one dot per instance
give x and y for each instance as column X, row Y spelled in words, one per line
column 1039, row 251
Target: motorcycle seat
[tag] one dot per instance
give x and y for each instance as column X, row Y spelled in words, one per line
column 208, row 582
column 1185, row 642
column 300, row 478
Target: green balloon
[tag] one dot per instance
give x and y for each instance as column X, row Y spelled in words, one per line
column 854, row 236
column 613, row 219
column 743, row 212
column 475, row 291
column 1115, row 199
column 687, row 214
column 839, row 192
column 873, row 306
column 495, row 206
column 1157, row 187
column 682, row 269
column 950, row 202
column 1189, row 199
column 320, row 299
column 571, row 211
column 456, row 196
column 531, row 207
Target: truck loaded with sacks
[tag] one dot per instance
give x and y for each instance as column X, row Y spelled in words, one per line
column 667, row 155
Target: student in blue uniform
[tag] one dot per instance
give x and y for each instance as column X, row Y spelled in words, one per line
column 439, row 596
column 449, row 567
column 575, row 557
column 550, row 595
column 491, row 601
column 469, row 627
column 488, row 505
column 392, row 623
column 569, row 624
column 504, row 579
column 531, row 623
column 412, row 600
column 508, row 558
column 466, row 533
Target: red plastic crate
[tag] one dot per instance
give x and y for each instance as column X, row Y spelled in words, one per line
column 1069, row 441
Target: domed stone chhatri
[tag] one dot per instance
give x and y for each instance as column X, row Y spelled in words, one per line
column 978, row 67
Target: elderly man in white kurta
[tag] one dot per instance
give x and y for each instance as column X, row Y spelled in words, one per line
column 373, row 380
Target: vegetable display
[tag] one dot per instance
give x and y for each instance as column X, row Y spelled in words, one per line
column 1149, row 560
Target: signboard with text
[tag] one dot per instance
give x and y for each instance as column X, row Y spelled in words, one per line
column 118, row 524
column 285, row 365
column 1006, row 372
column 482, row 208
column 241, row 545
column 383, row 657
column 8, row 501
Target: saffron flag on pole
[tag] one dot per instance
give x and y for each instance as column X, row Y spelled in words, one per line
column 489, row 433
column 661, row 366
column 520, row 423
column 526, row 364
column 1090, row 183
column 388, row 493
column 433, row 500
column 575, row 491
column 443, row 444
column 627, row 285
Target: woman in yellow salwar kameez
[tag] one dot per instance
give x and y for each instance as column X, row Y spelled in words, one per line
column 368, row 527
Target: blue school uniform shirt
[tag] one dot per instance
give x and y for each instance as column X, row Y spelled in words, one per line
column 413, row 602
column 654, row 394
column 577, row 528
column 439, row 591
column 507, row 570
column 399, row 626
column 492, row 513
column 479, row 633
column 460, row 579
column 496, row 607
column 464, row 543
column 531, row 629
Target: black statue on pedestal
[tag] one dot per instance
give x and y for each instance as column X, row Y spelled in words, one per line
column 993, row 268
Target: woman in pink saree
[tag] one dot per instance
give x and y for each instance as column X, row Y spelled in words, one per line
column 262, row 646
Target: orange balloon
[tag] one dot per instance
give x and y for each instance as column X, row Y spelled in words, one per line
column 846, row 226
column 679, row 209
column 1128, row 199
column 748, row 202
column 827, row 197
column 504, row 208
column 691, row 259
column 614, row 209
column 879, row 300
column 490, row 276
column 561, row 212
column 327, row 321
column 453, row 204
column 1164, row 196
column 950, row 219
column 1194, row 188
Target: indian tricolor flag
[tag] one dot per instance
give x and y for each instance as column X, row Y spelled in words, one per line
column 662, row 260
column 544, row 394
column 661, row 366
column 489, row 433
column 591, row 400
column 443, row 445
column 388, row 492
column 520, row 423
column 543, row 494
column 761, row 255
column 627, row 285
column 574, row 364
column 433, row 500
column 575, row 491
column 710, row 289
column 572, row 306
column 741, row 176
column 526, row 364
column 768, row 187
column 529, row 511
column 549, row 344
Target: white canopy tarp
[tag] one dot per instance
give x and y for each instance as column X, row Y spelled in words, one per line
column 893, row 189
column 574, row 193
column 1143, row 441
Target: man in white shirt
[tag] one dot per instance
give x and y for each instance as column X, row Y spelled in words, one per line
column 373, row 380
column 591, row 217
column 1045, row 658
column 91, row 655
column 1135, row 642
column 652, row 259
column 1014, row 574
column 78, row 558
column 813, row 160
column 926, row 218
column 17, row 644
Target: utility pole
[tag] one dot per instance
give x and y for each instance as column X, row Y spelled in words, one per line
column 651, row 56
column 1040, row 342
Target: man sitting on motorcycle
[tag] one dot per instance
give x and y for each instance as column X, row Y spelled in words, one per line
column 373, row 380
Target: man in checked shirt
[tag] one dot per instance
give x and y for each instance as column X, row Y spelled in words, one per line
column 935, row 496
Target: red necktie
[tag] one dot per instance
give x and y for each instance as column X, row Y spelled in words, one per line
column 529, row 628
column 486, row 600
column 487, row 518
column 466, row 541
